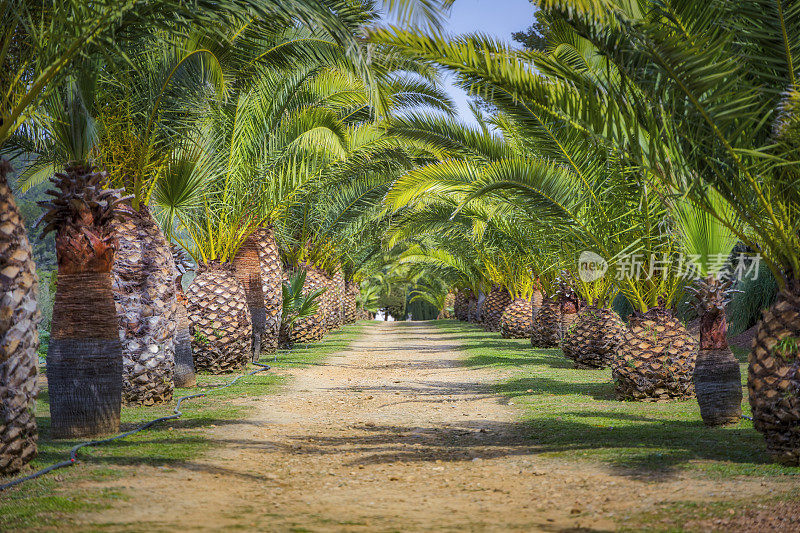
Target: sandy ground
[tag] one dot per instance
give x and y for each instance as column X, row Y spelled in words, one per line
column 391, row 435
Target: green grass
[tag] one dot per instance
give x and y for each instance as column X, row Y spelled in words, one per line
column 682, row 517
column 572, row 414
column 53, row 499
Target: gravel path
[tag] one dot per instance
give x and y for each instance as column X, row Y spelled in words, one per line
column 392, row 435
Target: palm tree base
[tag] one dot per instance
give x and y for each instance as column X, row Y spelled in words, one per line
column 655, row 359
column 773, row 378
column 84, row 379
column 718, row 386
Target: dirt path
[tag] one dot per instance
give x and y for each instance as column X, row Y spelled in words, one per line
column 393, row 435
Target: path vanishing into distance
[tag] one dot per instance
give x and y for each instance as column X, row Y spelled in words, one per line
column 393, row 434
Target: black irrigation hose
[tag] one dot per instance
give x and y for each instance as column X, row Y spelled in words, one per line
column 73, row 453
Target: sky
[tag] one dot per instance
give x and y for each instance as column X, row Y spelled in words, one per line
column 498, row 18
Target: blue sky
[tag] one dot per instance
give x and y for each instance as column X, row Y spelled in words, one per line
column 498, row 18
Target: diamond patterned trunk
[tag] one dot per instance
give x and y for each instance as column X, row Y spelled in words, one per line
column 517, row 320
column 494, row 305
column 546, row 327
column 773, row 377
column 472, row 309
column 592, row 341
column 147, row 307
column 655, row 358
column 449, row 303
column 461, row 305
column 351, row 303
column 328, row 300
column 312, row 328
column 19, row 339
column 339, row 290
column 222, row 331
column 247, row 266
column 271, row 286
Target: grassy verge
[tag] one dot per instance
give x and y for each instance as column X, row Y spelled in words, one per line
column 572, row 413
column 52, row 499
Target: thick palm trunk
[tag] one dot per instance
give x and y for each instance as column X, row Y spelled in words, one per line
column 493, row 307
column 655, row 358
column 19, row 339
column 516, row 322
column 248, row 271
column 351, row 303
column 144, row 291
column 84, row 359
column 593, row 340
column 328, row 302
column 773, row 378
column 546, row 327
column 222, row 331
column 461, row 305
column 271, row 286
column 717, row 378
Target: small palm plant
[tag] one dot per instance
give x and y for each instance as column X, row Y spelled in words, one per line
column 297, row 305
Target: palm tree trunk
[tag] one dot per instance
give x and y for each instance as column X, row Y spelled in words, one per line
column 717, row 376
column 84, row 359
column 773, row 378
column 272, row 286
column 144, row 290
column 220, row 319
column 184, row 375
column 19, row 337
column 248, row 271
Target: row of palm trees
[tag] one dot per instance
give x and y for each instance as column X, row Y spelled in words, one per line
column 282, row 146
column 251, row 134
column 642, row 133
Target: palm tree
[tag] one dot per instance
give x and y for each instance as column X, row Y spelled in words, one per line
column 593, row 339
column 84, row 359
column 19, row 317
column 717, row 378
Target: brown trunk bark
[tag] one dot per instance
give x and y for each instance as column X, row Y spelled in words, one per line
column 19, row 336
column 714, row 330
column 84, row 359
column 248, row 271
